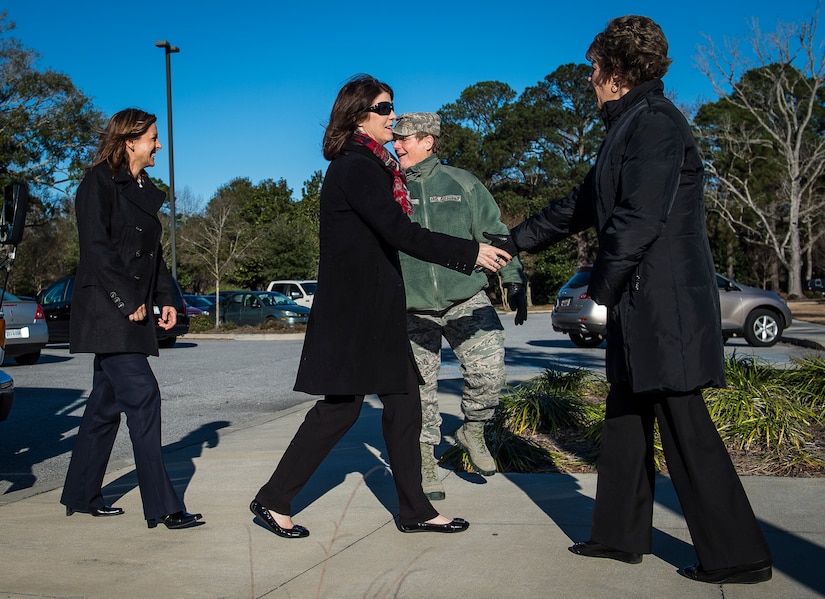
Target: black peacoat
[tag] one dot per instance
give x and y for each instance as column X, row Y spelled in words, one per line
column 653, row 270
column 121, row 264
column 356, row 341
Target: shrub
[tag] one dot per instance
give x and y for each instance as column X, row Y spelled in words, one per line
column 200, row 323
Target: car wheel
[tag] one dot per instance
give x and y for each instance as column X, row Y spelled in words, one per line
column 28, row 359
column 762, row 328
column 167, row 342
column 586, row 339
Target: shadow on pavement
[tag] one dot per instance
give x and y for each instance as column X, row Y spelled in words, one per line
column 180, row 459
column 36, row 431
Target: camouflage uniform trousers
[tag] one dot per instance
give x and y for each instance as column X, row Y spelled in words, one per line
column 475, row 334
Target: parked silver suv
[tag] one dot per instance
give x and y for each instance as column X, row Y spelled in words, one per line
column 758, row 315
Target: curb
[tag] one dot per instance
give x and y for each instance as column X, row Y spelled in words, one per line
column 808, row 343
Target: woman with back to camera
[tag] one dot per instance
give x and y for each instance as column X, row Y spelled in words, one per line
column 120, row 276
column 364, row 222
column 655, row 273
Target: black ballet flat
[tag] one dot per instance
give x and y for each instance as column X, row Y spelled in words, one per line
column 594, row 549
column 456, row 525
column 744, row 574
column 176, row 520
column 296, row 532
column 106, row 510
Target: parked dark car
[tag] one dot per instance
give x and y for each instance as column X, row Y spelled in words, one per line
column 205, row 303
column 56, row 301
column 816, row 285
column 758, row 315
column 253, row 308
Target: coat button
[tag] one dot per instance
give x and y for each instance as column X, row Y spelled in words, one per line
column 151, row 254
column 137, row 254
column 137, row 277
column 139, row 229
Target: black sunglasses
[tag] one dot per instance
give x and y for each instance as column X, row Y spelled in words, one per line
column 382, row 108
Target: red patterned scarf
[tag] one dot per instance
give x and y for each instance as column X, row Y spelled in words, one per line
column 399, row 179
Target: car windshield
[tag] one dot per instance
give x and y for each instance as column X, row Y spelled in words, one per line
column 273, row 299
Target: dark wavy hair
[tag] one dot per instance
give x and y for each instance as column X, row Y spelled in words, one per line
column 632, row 48
column 128, row 124
column 349, row 109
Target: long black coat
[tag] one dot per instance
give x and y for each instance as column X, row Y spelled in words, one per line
column 121, row 264
column 356, row 341
column 654, row 270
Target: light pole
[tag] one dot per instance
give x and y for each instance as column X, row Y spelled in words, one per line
column 169, row 49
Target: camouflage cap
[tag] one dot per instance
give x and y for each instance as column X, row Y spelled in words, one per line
column 410, row 123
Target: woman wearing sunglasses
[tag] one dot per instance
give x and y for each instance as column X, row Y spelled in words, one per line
column 346, row 355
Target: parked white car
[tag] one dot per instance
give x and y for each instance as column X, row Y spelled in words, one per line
column 301, row 292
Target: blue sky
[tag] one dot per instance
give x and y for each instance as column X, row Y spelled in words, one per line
column 254, row 81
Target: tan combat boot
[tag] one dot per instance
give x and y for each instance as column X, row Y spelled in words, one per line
column 430, row 483
column 470, row 437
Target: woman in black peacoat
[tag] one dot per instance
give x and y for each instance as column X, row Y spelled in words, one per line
column 356, row 341
column 654, row 272
column 120, row 276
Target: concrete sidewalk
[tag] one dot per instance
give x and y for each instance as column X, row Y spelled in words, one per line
column 521, row 526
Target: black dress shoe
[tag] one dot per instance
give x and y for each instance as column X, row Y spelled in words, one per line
column 176, row 520
column 594, row 549
column 456, row 525
column 296, row 532
column 106, row 510
column 744, row 574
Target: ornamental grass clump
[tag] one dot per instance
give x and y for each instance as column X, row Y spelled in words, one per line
column 772, row 412
column 551, row 402
column 555, row 403
column 771, row 420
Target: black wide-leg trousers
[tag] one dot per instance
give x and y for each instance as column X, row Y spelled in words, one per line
column 122, row 383
column 327, row 422
column 722, row 524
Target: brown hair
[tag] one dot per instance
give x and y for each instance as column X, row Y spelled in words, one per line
column 631, row 48
column 349, row 109
column 125, row 125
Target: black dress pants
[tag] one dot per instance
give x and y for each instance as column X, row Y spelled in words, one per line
column 722, row 524
column 327, row 422
column 122, row 383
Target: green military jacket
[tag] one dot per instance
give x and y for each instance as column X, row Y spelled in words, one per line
column 452, row 201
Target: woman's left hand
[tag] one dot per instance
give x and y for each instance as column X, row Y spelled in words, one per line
column 168, row 317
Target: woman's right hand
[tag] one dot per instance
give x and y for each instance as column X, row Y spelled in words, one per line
column 491, row 258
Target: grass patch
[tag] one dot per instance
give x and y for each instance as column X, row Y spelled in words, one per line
column 771, row 420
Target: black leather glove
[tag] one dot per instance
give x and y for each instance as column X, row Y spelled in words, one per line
column 517, row 300
column 503, row 242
